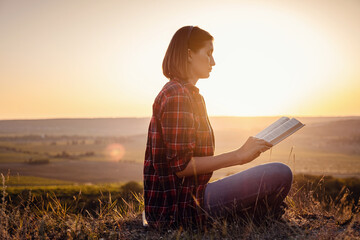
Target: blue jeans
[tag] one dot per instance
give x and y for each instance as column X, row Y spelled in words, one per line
column 256, row 191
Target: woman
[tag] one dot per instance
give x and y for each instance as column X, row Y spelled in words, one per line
column 179, row 158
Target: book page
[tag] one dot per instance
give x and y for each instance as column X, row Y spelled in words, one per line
column 283, row 131
column 273, row 126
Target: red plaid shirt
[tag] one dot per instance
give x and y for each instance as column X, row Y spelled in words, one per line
column 179, row 130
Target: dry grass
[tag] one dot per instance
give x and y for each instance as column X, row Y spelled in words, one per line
column 307, row 217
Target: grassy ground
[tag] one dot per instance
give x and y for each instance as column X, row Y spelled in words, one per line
column 14, row 181
column 319, row 208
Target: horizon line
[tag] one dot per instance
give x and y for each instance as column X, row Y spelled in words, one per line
column 216, row 116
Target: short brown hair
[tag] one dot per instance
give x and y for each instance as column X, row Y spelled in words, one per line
column 175, row 60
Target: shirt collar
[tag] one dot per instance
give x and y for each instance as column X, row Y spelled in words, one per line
column 191, row 87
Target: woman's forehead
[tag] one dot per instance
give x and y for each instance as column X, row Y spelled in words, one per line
column 208, row 45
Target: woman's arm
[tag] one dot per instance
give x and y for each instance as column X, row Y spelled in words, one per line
column 252, row 148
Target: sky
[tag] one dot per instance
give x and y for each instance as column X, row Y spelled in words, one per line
column 88, row 59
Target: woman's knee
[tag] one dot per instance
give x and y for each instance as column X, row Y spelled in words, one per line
column 282, row 172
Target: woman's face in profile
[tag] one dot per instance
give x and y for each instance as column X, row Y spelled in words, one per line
column 202, row 61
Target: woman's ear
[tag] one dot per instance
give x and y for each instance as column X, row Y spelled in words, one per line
column 189, row 55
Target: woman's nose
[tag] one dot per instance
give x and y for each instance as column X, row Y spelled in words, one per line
column 212, row 61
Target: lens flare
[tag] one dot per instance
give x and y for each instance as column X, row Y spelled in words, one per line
column 115, row 151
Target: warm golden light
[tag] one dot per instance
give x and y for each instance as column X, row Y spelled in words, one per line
column 104, row 59
column 273, row 63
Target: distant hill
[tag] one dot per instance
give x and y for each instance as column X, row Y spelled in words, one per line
column 88, row 127
column 81, row 147
column 136, row 126
column 338, row 127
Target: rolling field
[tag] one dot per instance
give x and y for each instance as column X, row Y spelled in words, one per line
column 112, row 150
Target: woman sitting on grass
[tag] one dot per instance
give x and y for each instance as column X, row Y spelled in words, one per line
column 179, row 158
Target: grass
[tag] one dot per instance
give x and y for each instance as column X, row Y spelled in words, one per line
column 59, row 212
column 71, row 189
column 12, row 181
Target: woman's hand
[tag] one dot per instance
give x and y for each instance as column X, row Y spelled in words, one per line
column 248, row 152
column 252, row 148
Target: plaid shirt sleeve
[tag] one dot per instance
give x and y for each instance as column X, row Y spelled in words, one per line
column 178, row 130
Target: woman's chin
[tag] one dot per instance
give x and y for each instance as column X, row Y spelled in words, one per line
column 205, row 75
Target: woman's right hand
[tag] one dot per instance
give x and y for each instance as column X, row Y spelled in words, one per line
column 252, row 148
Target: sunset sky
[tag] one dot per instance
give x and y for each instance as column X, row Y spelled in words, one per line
column 70, row 59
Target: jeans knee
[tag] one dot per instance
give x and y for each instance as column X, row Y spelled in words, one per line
column 283, row 172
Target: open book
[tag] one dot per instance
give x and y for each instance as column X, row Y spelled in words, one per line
column 280, row 130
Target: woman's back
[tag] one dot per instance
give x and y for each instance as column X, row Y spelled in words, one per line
column 178, row 130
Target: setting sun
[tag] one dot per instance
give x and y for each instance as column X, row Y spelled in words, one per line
column 273, row 63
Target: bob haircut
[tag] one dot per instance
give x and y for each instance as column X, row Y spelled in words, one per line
column 175, row 60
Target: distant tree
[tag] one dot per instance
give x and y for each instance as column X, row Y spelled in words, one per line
column 88, row 154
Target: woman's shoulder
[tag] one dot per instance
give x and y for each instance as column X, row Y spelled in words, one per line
column 172, row 94
column 174, row 97
column 173, row 89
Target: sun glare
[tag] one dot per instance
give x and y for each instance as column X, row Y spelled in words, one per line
column 269, row 63
column 115, row 151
